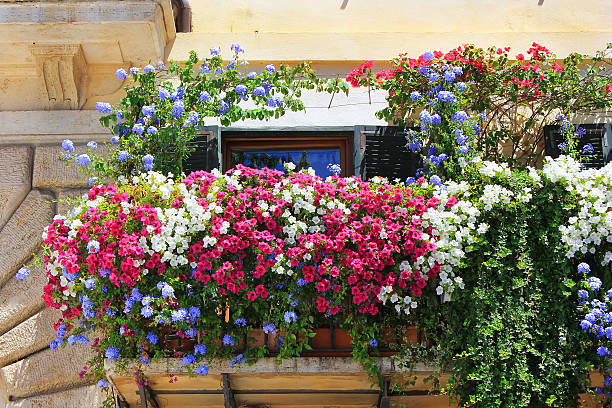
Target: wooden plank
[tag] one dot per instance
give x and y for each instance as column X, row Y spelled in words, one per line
column 307, row 381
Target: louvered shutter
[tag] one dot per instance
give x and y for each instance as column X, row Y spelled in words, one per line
column 206, row 151
column 598, row 135
column 381, row 151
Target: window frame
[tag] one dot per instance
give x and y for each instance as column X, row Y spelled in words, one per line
column 264, row 139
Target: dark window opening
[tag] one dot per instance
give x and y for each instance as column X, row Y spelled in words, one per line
column 595, row 134
column 182, row 16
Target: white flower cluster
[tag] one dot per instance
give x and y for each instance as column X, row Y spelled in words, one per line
column 591, row 229
column 495, row 194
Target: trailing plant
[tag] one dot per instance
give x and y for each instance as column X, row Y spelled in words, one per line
column 166, row 107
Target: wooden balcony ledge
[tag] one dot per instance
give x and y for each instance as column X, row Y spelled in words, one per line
column 299, row 382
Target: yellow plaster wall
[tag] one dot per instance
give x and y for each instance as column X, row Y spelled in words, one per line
column 353, row 30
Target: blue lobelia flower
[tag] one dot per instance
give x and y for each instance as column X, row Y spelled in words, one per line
column 461, row 86
column 202, row 370
column 148, row 68
column 251, row 75
column 449, row 76
column 270, row 328
column 179, row 315
column 192, row 119
column 428, row 56
column 134, row 70
column 415, row 96
column 114, row 139
column 270, row 68
column 151, row 130
column 588, row 149
column 92, row 145
column 102, row 384
column 460, row 116
column 373, row 343
column 240, row 321
column 241, row 89
column 446, row 96
column 603, row 351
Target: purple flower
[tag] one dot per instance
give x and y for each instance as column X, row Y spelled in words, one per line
column 290, row 317
column 112, row 353
column 215, row 51
column 92, row 145
column 594, row 283
column 449, row 76
column 428, row 56
column 223, row 108
column 178, row 107
column 83, row 160
column 204, row 69
column 200, row 349
column 179, row 315
column 240, row 321
column 102, row 384
column 415, row 96
column 123, row 156
column 460, row 116
column 163, row 93
column 192, row 119
column 193, row 313
column 204, row 96
column 239, row 359
column 202, row 370
column 260, row 91
column 147, row 160
column 434, row 77
column 251, row 75
column 270, row 328
column 241, row 89
column 67, row 145
column 236, row 48
column 461, row 86
column 446, row 96
column 23, row 273
column 603, row 351
column 166, row 290
column 229, row 340
column 114, row 139
column 148, row 110
column 435, row 180
column 270, row 68
column 151, row 130
column 138, row 128
column 121, row 73
column 148, row 68
column 134, row 70
column 373, row 343
column 188, row 359
column 584, row 268
column 104, row 107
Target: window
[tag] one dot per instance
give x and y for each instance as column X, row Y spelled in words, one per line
column 182, row 16
column 598, row 135
column 305, row 149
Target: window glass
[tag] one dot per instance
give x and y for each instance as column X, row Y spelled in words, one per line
column 318, row 159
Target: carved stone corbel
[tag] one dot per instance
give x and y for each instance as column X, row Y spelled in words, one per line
column 64, row 72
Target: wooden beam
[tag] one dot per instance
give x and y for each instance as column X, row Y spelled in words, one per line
column 228, row 395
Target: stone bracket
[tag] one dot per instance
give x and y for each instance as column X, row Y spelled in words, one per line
column 63, row 69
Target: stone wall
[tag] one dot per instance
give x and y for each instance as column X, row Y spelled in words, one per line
column 32, row 181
